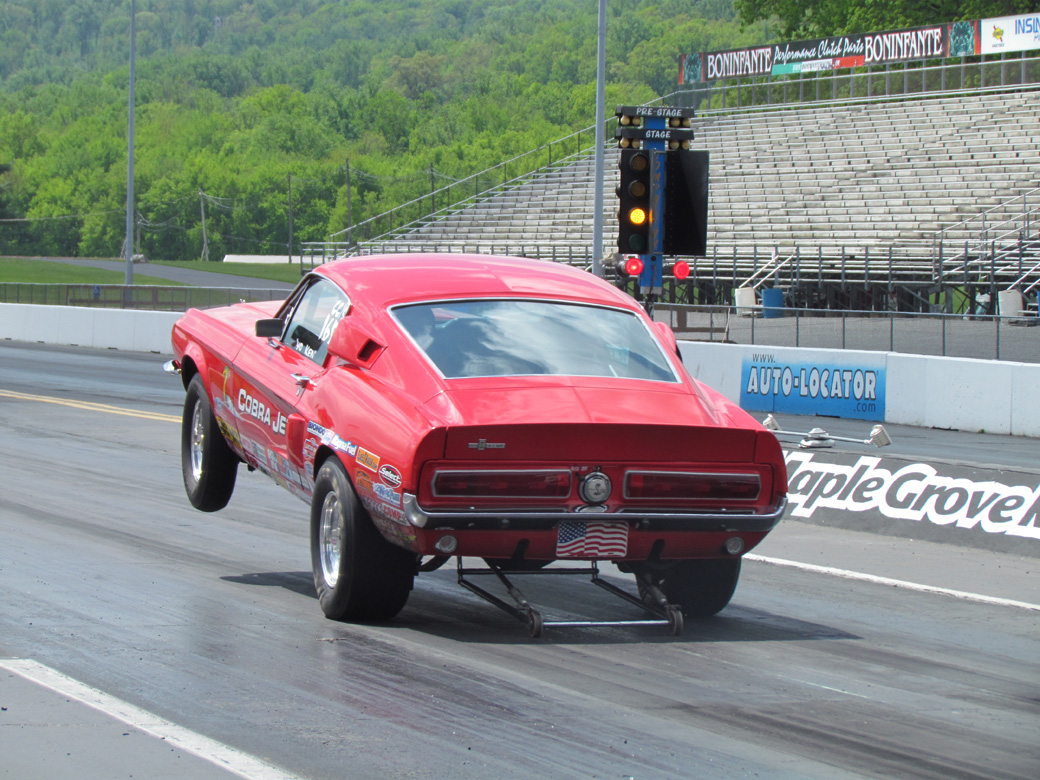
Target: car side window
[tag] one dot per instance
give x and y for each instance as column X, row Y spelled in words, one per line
column 314, row 319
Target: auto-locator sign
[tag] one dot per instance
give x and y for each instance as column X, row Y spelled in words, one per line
column 814, row 383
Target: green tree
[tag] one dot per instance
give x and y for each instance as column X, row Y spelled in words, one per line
column 817, row 18
column 236, row 96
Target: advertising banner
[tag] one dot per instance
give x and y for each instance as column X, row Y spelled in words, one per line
column 956, row 39
column 939, row 501
column 1010, row 33
column 815, row 383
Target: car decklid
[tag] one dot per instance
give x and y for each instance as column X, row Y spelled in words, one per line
column 659, row 422
column 581, row 400
column 600, row 442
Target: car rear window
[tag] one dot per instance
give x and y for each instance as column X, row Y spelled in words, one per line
column 475, row 338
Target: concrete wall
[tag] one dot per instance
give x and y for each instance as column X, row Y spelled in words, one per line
column 136, row 331
column 957, row 393
column 970, row 395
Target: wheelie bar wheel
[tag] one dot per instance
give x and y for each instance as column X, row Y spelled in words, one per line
column 535, row 622
column 675, row 621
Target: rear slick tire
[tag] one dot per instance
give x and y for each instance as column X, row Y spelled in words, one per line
column 208, row 464
column 701, row 587
column 359, row 576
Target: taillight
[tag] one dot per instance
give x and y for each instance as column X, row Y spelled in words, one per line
column 670, row 485
column 501, row 484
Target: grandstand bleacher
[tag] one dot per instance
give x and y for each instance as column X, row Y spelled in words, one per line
column 872, row 204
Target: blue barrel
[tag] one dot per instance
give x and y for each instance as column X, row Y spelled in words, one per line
column 772, row 302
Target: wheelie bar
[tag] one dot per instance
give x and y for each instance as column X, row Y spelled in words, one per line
column 665, row 614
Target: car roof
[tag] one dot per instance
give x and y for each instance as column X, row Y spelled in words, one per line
column 386, row 280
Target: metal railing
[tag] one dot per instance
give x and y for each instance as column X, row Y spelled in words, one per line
column 919, row 79
column 978, row 336
column 865, row 84
column 449, row 198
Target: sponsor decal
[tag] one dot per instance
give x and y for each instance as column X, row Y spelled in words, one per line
column 328, row 438
column 382, row 510
column 386, row 494
column 390, row 475
column 363, row 482
column 366, row 459
column 257, row 409
column 366, row 485
column 835, row 389
column 229, row 433
column 915, row 492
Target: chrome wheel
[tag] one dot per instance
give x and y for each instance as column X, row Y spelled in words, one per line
column 330, row 539
column 358, row 575
column 208, row 464
column 198, row 439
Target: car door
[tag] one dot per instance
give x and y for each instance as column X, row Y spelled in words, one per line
column 274, row 375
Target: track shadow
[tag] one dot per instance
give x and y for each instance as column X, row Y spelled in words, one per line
column 297, row 581
column 439, row 607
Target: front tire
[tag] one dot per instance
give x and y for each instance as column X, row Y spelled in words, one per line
column 359, row 576
column 208, row 464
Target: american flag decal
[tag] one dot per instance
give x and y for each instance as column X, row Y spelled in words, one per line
column 592, row 540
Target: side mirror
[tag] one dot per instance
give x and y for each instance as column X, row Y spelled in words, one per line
column 269, row 328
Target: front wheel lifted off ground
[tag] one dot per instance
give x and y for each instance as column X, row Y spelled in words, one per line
column 207, row 462
column 359, row 575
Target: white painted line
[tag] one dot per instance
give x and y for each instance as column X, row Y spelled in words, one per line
column 855, row 575
column 234, row 761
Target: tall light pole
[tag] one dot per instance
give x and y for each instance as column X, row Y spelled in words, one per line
column 130, row 151
column 601, row 99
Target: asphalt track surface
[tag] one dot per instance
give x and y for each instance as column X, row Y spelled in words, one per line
column 199, row 645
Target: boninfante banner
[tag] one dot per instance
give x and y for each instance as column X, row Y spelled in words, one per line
column 956, row 39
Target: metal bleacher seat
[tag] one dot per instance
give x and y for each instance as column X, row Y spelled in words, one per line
column 836, row 178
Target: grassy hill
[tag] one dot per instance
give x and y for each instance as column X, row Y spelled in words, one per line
column 242, row 105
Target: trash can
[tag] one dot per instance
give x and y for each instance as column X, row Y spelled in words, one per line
column 744, row 298
column 772, row 302
column 1011, row 303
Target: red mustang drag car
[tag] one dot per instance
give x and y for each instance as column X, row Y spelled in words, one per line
column 519, row 411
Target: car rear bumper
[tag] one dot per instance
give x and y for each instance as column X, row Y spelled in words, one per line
column 731, row 522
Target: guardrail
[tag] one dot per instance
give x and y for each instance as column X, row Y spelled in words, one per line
column 142, row 297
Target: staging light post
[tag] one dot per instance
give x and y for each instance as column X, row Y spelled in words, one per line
column 597, row 201
column 130, row 151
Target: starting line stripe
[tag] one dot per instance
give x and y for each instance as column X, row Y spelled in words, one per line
column 227, row 758
column 90, row 406
column 854, row 575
